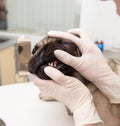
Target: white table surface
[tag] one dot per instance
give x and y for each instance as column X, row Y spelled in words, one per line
column 21, row 106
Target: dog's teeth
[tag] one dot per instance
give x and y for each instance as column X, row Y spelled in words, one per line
column 53, row 64
column 48, row 64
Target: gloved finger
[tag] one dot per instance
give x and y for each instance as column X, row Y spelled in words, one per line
column 57, row 76
column 49, row 87
column 78, row 31
column 84, row 37
column 68, row 58
column 64, row 35
column 78, row 41
column 42, row 84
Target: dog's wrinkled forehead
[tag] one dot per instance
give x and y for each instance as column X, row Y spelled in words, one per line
column 54, row 41
column 44, row 42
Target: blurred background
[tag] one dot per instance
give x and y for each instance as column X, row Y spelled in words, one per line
column 42, row 15
column 97, row 17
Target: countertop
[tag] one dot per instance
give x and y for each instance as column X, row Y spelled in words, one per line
column 20, row 106
column 14, row 35
column 7, row 43
column 112, row 54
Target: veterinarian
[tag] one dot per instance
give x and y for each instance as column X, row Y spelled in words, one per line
column 92, row 65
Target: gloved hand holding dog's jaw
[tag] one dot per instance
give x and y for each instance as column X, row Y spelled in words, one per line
column 91, row 64
column 68, row 90
column 73, row 93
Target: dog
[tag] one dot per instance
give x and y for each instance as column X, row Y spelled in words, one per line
column 43, row 55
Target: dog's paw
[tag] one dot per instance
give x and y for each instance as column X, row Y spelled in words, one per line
column 45, row 97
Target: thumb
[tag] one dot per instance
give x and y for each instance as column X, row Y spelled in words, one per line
column 49, row 87
column 61, row 79
column 56, row 75
column 67, row 58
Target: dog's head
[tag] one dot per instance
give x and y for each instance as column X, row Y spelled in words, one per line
column 43, row 55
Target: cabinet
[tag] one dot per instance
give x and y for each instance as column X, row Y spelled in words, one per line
column 7, row 63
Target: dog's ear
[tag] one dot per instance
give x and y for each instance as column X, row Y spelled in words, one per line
column 35, row 49
column 41, row 44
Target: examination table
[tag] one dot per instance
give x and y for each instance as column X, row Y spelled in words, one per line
column 20, row 106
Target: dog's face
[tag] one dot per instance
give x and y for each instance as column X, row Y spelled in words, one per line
column 43, row 55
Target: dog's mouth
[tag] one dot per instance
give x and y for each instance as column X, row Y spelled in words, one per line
column 45, row 57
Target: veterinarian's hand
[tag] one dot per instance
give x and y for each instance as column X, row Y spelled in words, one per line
column 91, row 64
column 71, row 92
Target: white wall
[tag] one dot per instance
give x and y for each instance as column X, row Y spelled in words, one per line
column 99, row 18
column 40, row 15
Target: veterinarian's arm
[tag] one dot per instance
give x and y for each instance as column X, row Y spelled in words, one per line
column 95, row 125
column 91, row 64
column 71, row 92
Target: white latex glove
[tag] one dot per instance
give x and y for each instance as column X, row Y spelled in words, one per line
column 71, row 92
column 91, row 64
